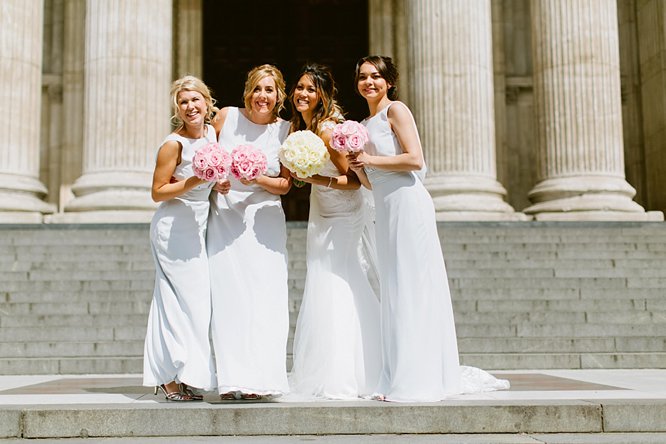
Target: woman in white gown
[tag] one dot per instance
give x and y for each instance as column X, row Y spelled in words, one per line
column 419, row 346
column 336, row 344
column 247, row 248
column 177, row 346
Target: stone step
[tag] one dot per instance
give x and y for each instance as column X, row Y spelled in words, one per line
column 127, row 363
column 65, row 320
column 120, row 308
column 332, row 418
column 69, row 349
column 468, row 346
column 119, row 332
column 472, row 345
column 43, row 297
column 582, row 360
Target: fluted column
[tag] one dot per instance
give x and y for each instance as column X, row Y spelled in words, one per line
column 188, row 17
column 127, row 79
column 578, row 114
column 21, row 33
column 388, row 36
column 451, row 90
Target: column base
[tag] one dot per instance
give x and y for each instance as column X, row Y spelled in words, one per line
column 115, row 191
column 450, row 216
column 606, row 216
column 100, row 217
column 20, row 217
column 458, row 197
column 604, row 198
column 22, row 194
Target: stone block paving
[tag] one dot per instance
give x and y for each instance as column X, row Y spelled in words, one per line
column 557, row 406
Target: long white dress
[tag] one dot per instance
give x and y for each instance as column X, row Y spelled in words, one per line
column 336, row 344
column 177, row 345
column 247, row 248
column 419, row 345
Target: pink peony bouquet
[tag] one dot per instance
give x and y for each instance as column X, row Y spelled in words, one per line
column 247, row 162
column 211, row 163
column 349, row 137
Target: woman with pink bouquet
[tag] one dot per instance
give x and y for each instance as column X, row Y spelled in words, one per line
column 419, row 345
column 177, row 353
column 247, row 246
column 336, row 345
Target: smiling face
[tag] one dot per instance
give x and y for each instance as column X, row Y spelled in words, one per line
column 264, row 96
column 191, row 108
column 371, row 85
column 305, row 95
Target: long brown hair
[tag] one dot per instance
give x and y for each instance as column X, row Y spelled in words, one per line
column 386, row 69
column 327, row 107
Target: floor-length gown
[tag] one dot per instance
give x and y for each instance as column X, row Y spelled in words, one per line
column 247, row 248
column 419, row 345
column 177, row 344
column 336, row 344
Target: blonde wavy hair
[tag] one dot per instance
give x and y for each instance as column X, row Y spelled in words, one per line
column 255, row 76
column 191, row 83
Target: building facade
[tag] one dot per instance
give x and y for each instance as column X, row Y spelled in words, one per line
column 527, row 109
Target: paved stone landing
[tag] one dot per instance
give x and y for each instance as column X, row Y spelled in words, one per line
column 555, row 401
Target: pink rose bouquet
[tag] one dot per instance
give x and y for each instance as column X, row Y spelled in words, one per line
column 349, row 137
column 247, row 162
column 211, row 163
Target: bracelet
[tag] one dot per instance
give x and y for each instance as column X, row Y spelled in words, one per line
column 330, row 179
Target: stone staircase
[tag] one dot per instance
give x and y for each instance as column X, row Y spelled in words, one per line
column 74, row 299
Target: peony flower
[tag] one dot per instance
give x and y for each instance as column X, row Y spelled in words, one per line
column 248, row 162
column 303, row 153
column 211, row 163
column 349, row 136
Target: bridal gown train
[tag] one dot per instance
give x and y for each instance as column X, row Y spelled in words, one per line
column 177, row 346
column 336, row 344
column 419, row 345
column 247, row 247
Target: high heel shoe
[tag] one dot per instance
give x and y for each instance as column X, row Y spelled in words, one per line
column 184, row 388
column 173, row 396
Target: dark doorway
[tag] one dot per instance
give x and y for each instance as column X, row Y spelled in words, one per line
column 238, row 35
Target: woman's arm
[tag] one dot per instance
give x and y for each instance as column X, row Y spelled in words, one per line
column 168, row 157
column 219, row 119
column 357, row 168
column 346, row 180
column 403, row 125
column 276, row 185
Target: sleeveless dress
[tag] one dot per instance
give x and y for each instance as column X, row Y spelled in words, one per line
column 247, row 248
column 419, row 345
column 336, row 344
column 177, row 346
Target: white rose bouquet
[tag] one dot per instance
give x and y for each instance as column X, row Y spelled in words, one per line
column 303, row 153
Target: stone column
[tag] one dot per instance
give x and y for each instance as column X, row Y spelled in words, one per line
column 127, row 80
column 578, row 114
column 188, row 38
column 71, row 156
column 21, row 33
column 388, row 37
column 451, row 89
column 649, row 161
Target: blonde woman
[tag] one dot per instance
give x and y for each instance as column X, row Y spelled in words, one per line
column 177, row 353
column 247, row 247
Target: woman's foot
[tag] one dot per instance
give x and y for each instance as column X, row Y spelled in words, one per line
column 172, row 392
column 230, row 396
column 184, row 388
